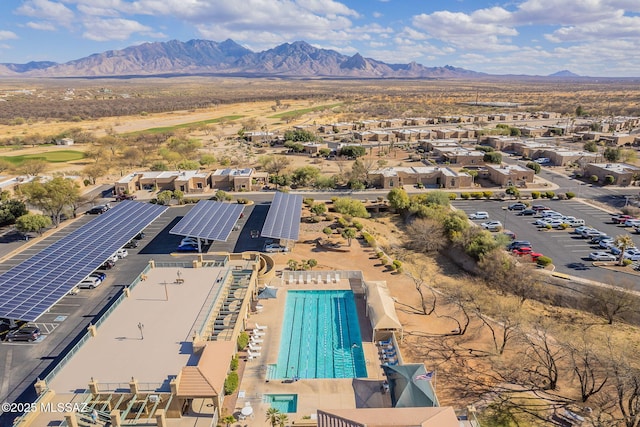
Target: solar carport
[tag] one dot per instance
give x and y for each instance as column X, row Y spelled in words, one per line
column 32, row 287
column 283, row 218
column 209, row 220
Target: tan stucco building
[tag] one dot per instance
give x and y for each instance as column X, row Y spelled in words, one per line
column 507, row 175
column 428, row 176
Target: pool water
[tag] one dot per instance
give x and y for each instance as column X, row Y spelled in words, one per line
column 320, row 336
column 282, row 402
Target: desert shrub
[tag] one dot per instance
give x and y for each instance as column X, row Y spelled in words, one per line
column 243, row 340
column 342, row 222
column 534, row 166
column 609, row 179
column 594, row 178
column 397, row 265
column 626, row 262
column 476, row 195
column 487, row 194
column 465, row 196
column 452, row 196
column 315, row 219
column 358, row 226
column 328, row 231
column 242, row 201
column 379, row 255
column 349, row 206
column 329, row 217
column 535, row 194
column 570, row 195
column 318, row 208
column 308, row 201
column 550, row 194
column 564, row 226
column 231, row 383
column 234, row 363
column 544, row 261
column 371, row 241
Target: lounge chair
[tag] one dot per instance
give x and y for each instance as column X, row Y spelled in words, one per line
column 253, row 355
column 261, row 327
column 385, row 342
column 254, row 348
column 257, row 333
column 255, row 340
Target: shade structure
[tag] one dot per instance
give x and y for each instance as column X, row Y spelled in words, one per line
column 268, row 292
column 283, row 218
column 32, row 287
column 381, row 310
column 209, row 220
column 410, row 386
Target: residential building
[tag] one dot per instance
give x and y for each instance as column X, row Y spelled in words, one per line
column 459, row 155
column 623, row 174
column 191, row 181
column 385, row 417
column 246, row 179
column 508, row 175
column 428, row 176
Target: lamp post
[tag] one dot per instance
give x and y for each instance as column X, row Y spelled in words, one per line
column 141, row 327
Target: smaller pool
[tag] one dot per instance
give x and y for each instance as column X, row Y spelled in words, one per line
column 282, row 402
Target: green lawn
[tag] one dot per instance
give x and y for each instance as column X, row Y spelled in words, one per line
column 185, row 125
column 304, row 111
column 51, row 157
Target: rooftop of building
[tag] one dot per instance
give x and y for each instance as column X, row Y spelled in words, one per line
column 233, row 172
column 616, row 167
column 157, row 320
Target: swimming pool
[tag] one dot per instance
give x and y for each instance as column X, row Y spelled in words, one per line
column 320, row 336
column 282, row 402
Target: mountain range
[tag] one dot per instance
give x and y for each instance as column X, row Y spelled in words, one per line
column 298, row 59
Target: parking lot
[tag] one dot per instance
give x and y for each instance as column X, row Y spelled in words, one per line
column 568, row 251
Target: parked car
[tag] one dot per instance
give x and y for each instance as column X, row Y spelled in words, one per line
column 107, row 265
column 602, row 256
column 632, row 253
column 25, row 333
column 551, row 214
column 193, row 241
column 98, row 275
column 517, row 207
column 518, row 244
column 542, row 160
column 598, row 238
column 620, row 218
column 479, row 215
column 581, row 228
column 527, row 212
column 492, row 225
column 616, row 250
column 131, row 244
column 255, row 234
column 275, row 248
column 97, row 210
column 122, row 253
column 526, row 251
column 632, row 222
column 540, row 208
column 510, row 234
column 121, row 197
column 590, row 233
column 575, row 223
column 606, row 243
column 187, row 248
column 89, row 283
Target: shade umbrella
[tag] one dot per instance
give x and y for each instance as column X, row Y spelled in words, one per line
column 410, row 386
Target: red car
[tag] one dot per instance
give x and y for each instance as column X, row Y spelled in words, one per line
column 527, row 251
column 620, row 219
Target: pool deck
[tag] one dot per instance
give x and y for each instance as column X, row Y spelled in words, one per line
column 312, row 393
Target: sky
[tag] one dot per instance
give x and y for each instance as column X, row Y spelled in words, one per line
column 598, row 38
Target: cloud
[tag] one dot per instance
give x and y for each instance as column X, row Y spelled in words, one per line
column 377, row 15
column 112, row 29
column 41, row 26
column 47, row 10
column 7, row 35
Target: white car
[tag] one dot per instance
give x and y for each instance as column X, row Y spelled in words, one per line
column 606, row 243
column 479, row 215
column 122, row 253
column 275, row 248
column 542, row 160
column 632, row 222
column 633, row 254
column 193, row 241
column 602, row 256
column 89, row 283
column 492, row 225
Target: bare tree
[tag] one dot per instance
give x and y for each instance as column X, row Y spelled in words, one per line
column 627, row 385
column 541, row 357
column 33, row 167
column 419, row 279
column 426, row 235
column 504, row 327
column 612, row 302
column 587, row 366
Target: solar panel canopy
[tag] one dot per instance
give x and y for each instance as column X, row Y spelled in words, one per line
column 283, row 218
column 209, row 220
column 32, row 287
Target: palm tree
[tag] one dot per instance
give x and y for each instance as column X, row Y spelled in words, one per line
column 622, row 242
column 228, row 420
column 273, row 416
column 282, row 420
